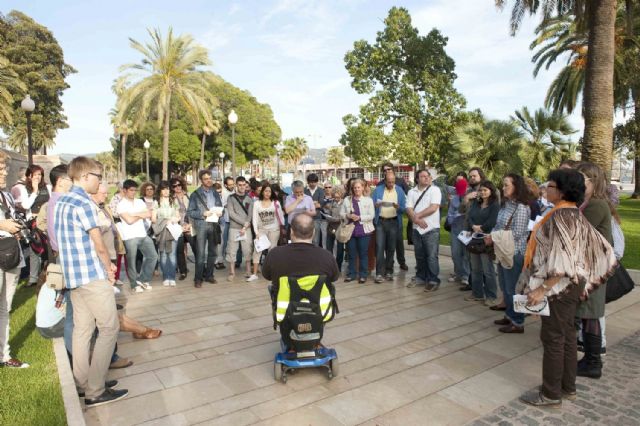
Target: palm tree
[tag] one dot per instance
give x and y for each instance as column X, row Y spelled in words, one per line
column 171, row 66
column 494, row 148
column 9, row 81
column 599, row 18
column 547, row 143
column 213, row 128
column 294, row 150
column 335, row 157
column 123, row 129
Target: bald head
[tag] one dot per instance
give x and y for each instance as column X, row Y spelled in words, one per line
column 302, row 228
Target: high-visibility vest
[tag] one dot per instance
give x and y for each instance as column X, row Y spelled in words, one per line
column 306, row 283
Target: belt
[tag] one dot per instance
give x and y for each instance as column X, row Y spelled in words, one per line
column 389, row 218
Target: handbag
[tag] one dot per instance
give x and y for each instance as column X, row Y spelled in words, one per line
column 619, row 284
column 345, row 229
column 447, row 225
column 55, row 279
column 282, row 238
column 9, row 246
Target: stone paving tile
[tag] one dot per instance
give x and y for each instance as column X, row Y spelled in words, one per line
column 403, row 354
column 610, row 400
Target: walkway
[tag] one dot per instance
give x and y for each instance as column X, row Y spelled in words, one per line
column 406, row 357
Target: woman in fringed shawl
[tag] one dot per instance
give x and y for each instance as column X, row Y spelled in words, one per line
column 566, row 260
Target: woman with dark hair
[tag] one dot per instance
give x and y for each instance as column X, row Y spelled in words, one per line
column 33, row 193
column 481, row 218
column 455, row 220
column 566, row 259
column 179, row 192
column 166, row 212
column 509, row 238
column 267, row 218
column 598, row 210
column 533, row 195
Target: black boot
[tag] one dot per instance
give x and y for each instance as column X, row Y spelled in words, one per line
column 591, row 364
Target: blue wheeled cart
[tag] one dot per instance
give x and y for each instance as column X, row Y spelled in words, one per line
column 287, row 362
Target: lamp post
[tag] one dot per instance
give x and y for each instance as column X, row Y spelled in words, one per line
column 233, row 119
column 278, row 149
column 28, row 106
column 221, row 155
column 146, row 148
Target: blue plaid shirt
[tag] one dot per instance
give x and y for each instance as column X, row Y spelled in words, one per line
column 75, row 214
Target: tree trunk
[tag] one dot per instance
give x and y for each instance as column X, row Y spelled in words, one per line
column 202, row 151
column 165, row 140
column 598, row 94
column 123, row 158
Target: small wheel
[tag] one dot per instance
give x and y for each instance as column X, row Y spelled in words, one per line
column 329, row 374
column 277, row 372
column 335, row 366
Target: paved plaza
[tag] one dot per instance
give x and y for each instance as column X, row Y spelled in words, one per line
column 406, row 358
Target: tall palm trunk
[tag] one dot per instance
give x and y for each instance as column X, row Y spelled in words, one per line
column 598, row 94
column 204, row 135
column 165, row 140
column 123, row 157
column 635, row 93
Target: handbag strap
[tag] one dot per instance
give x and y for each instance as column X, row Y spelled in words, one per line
column 277, row 204
column 420, row 197
column 507, row 227
column 5, row 204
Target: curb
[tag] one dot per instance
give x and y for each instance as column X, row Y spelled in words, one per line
column 70, row 398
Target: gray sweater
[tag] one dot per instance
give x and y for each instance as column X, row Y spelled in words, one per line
column 237, row 215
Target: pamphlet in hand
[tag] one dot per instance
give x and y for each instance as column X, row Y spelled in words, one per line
column 241, row 237
column 520, row 305
column 175, row 229
column 214, row 217
column 532, row 223
column 262, row 243
column 465, row 237
column 385, row 204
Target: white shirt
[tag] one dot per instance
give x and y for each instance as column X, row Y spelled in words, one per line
column 136, row 229
column 432, row 196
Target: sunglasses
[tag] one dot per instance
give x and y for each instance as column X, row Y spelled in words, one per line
column 176, row 185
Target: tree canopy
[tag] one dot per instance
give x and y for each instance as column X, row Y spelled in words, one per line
column 414, row 108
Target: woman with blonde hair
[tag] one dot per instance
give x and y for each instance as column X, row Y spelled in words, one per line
column 358, row 209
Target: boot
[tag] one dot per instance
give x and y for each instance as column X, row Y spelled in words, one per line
column 591, row 364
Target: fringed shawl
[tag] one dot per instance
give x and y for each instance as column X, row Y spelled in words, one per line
column 568, row 246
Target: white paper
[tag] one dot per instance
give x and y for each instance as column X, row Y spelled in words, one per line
column 241, row 237
column 532, row 223
column 175, row 230
column 520, row 305
column 262, row 243
column 464, row 237
column 214, row 217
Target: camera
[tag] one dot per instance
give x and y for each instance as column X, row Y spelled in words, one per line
column 26, row 226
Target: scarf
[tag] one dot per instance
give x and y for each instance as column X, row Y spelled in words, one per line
column 531, row 245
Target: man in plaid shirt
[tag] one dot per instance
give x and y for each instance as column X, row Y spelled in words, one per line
column 89, row 274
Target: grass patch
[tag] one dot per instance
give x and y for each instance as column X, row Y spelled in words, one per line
column 30, row 396
column 629, row 211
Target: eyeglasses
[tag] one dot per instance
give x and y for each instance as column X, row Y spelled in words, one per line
column 176, row 185
column 98, row 175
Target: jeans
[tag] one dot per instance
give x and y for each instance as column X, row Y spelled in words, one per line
column 8, row 285
column 400, row 247
column 481, row 266
column 508, row 280
column 205, row 252
column 35, row 262
column 357, row 247
column 320, row 233
column 149, row 259
column 68, row 323
column 181, row 253
column 426, row 248
column 331, row 242
column 386, row 239
column 459, row 253
column 168, row 262
column 220, row 254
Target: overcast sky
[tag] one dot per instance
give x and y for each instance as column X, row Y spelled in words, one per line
column 287, row 53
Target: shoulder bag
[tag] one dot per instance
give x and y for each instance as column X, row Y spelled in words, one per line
column 410, row 223
column 9, row 246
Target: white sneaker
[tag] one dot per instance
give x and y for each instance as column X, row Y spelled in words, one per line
column 252, row 278
column 138, row 289
column 166, row 283
column 453, row 279
column 147, row 286
column 172, row 283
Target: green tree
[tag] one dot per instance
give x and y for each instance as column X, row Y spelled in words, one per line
column 171, row 75
column 184, row 149
column 547, row 142
column 414, row 106
column 598, row 17
column 9, row 82
column 36, row 57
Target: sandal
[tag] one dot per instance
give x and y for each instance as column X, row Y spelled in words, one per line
column 149, row 333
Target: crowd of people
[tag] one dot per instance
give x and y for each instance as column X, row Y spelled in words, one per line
column 520, row 237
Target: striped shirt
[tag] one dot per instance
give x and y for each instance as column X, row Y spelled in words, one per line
column 75, row 214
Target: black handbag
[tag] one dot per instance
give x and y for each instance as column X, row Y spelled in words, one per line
column 477, row 246
column 447, row 225
column 619, row 284
column 9, row 253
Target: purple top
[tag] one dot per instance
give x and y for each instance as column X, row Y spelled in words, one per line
column 358, row 231
column 305, row 205
column 53, row 199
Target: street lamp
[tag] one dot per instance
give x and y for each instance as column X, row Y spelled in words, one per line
column 28, row 106
column 278, row 149
column 221, row 155
column 146, row 148
column 233, row 119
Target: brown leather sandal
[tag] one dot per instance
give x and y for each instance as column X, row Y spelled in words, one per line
column 149, row 333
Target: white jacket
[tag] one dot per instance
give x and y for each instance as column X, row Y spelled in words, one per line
column 367, row 212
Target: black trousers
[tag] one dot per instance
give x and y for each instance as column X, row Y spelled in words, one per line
column 182, row 251
column 558, row 335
